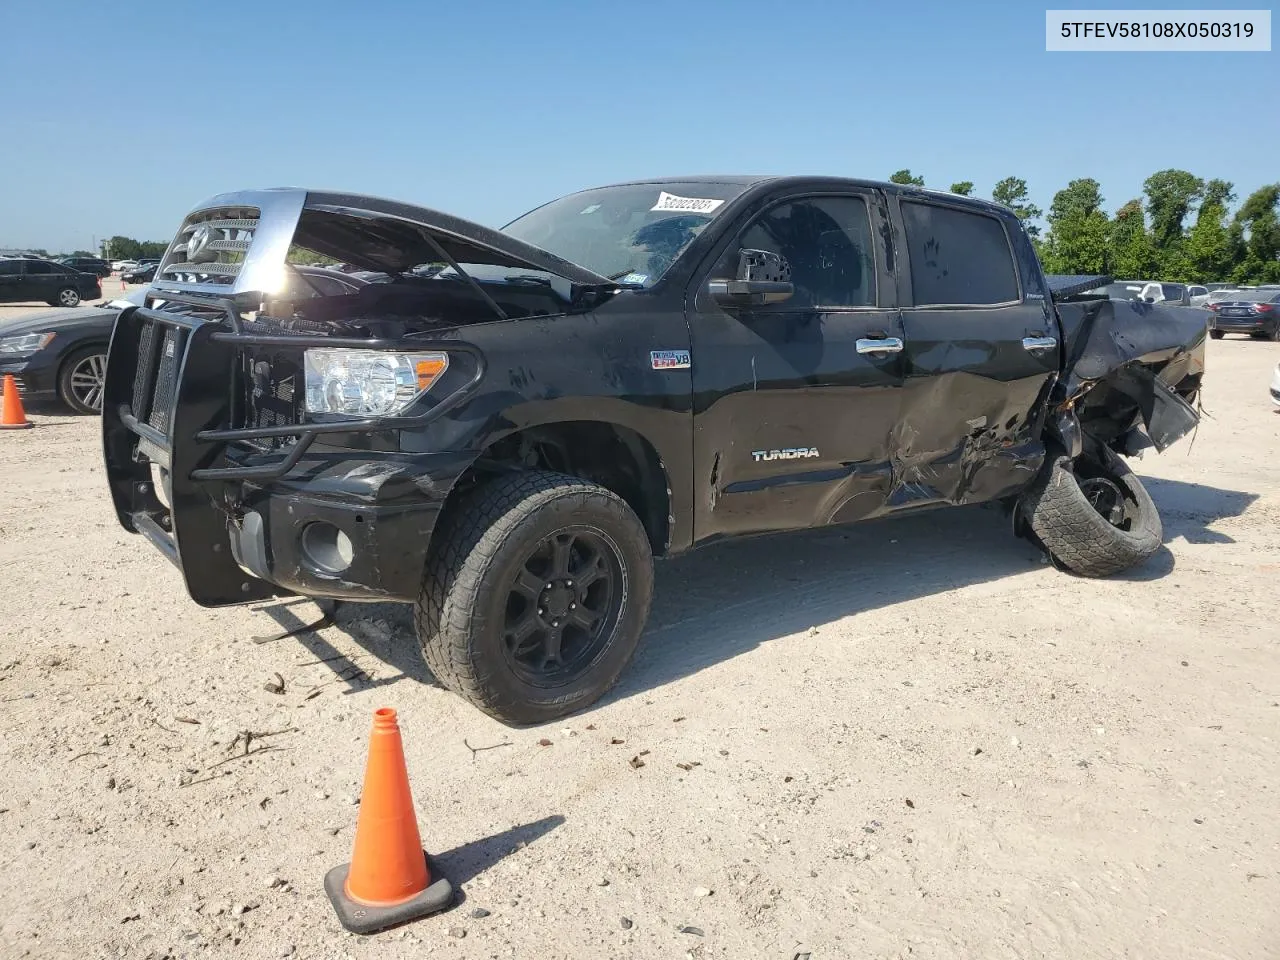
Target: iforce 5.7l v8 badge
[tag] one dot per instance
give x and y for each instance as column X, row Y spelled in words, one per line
column 669, row 359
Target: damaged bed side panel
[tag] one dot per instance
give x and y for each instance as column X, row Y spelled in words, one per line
column 1131, row 363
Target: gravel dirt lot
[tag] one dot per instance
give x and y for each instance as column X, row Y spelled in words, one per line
column 910, row 738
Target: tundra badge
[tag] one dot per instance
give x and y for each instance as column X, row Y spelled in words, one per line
column 789, row 453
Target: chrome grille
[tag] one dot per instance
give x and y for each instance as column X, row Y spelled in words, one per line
column 211, row 246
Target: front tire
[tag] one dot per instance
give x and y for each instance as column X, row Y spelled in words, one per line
column 1217, row 334
column 1095, row 518
column 536, row 590
column 67, row 297
column 81, row 380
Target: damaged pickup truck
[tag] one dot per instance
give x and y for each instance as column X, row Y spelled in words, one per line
column 507, row 426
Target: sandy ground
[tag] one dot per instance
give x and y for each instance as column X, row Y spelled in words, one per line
column 912, row 739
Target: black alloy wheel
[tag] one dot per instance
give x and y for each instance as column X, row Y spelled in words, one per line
column 562, row 606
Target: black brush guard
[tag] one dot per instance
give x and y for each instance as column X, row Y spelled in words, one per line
column 170, row 397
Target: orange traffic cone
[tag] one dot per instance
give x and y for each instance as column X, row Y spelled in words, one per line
column 388, row 880
column 12, row 416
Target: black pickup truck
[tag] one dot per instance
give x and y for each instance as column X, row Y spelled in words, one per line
column 506, row 426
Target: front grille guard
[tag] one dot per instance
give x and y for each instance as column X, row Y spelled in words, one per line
column 192, row 528
column 156, row 444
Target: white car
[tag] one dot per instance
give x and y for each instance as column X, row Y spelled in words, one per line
column 1275, row 386
column 123, row 266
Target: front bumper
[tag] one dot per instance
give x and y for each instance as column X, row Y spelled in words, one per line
column 35, row 376
column 270, row 534
column 235, row 519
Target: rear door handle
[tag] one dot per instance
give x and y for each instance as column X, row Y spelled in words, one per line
column 885, row 345
column 1036, row 344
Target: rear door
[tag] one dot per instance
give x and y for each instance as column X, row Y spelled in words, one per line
column 40, row 279
column 981, row 349
column 792, row 410
column 10, row 281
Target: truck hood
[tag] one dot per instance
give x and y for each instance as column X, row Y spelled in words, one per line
column 237, row 243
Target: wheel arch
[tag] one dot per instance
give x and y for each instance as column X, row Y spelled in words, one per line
column 614, row 455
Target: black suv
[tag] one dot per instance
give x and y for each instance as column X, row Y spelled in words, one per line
column 514, row 423
column 57, row 285
column 98, row 267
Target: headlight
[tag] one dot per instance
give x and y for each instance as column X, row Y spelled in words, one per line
column 27, row 343
column 368, row 383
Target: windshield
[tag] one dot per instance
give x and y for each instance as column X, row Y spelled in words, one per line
column 630, row 233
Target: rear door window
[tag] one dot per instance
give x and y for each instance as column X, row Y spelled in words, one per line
column 957, row 257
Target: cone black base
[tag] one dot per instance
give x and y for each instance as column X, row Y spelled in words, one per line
column 362, row 918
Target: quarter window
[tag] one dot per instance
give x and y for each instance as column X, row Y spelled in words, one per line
column 957, row 257
column 827, row 242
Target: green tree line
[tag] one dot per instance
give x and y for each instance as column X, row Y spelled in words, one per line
column 1182, row 228
column 127, row 248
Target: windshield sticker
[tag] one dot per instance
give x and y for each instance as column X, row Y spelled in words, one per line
column 591, row 209
column 634, row 278
column 669, row 359
column 673, row 204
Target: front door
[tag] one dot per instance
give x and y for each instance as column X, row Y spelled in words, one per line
column 794, row 402
column 981, row 348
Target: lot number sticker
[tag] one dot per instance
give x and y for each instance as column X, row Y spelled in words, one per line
column 673, row 204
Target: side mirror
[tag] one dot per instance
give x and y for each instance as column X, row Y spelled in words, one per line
column 763, row 277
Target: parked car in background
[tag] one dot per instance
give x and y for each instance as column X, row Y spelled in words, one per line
column 1120, row 290
column 95, row 265
column 1174, row 294
column 1221, row 294
column 57, row 285
column 144, row 273
column 63, row 354
column 1210, row 295
column 1256, row 313
column 1197, row 295
column 120, row 266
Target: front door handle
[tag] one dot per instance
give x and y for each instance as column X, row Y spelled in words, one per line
column 884, row 345
column 1036, row 344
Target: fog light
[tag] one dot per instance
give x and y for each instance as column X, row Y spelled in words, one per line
column 326, row 548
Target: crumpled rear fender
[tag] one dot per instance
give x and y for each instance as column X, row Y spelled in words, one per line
column 1128, row 363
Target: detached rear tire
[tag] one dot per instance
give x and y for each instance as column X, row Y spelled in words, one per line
column 1096, row 519
column 536, row 590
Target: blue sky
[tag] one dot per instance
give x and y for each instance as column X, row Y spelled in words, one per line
column 131, row 113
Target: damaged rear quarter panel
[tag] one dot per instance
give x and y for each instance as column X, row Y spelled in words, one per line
column 1132, row 361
